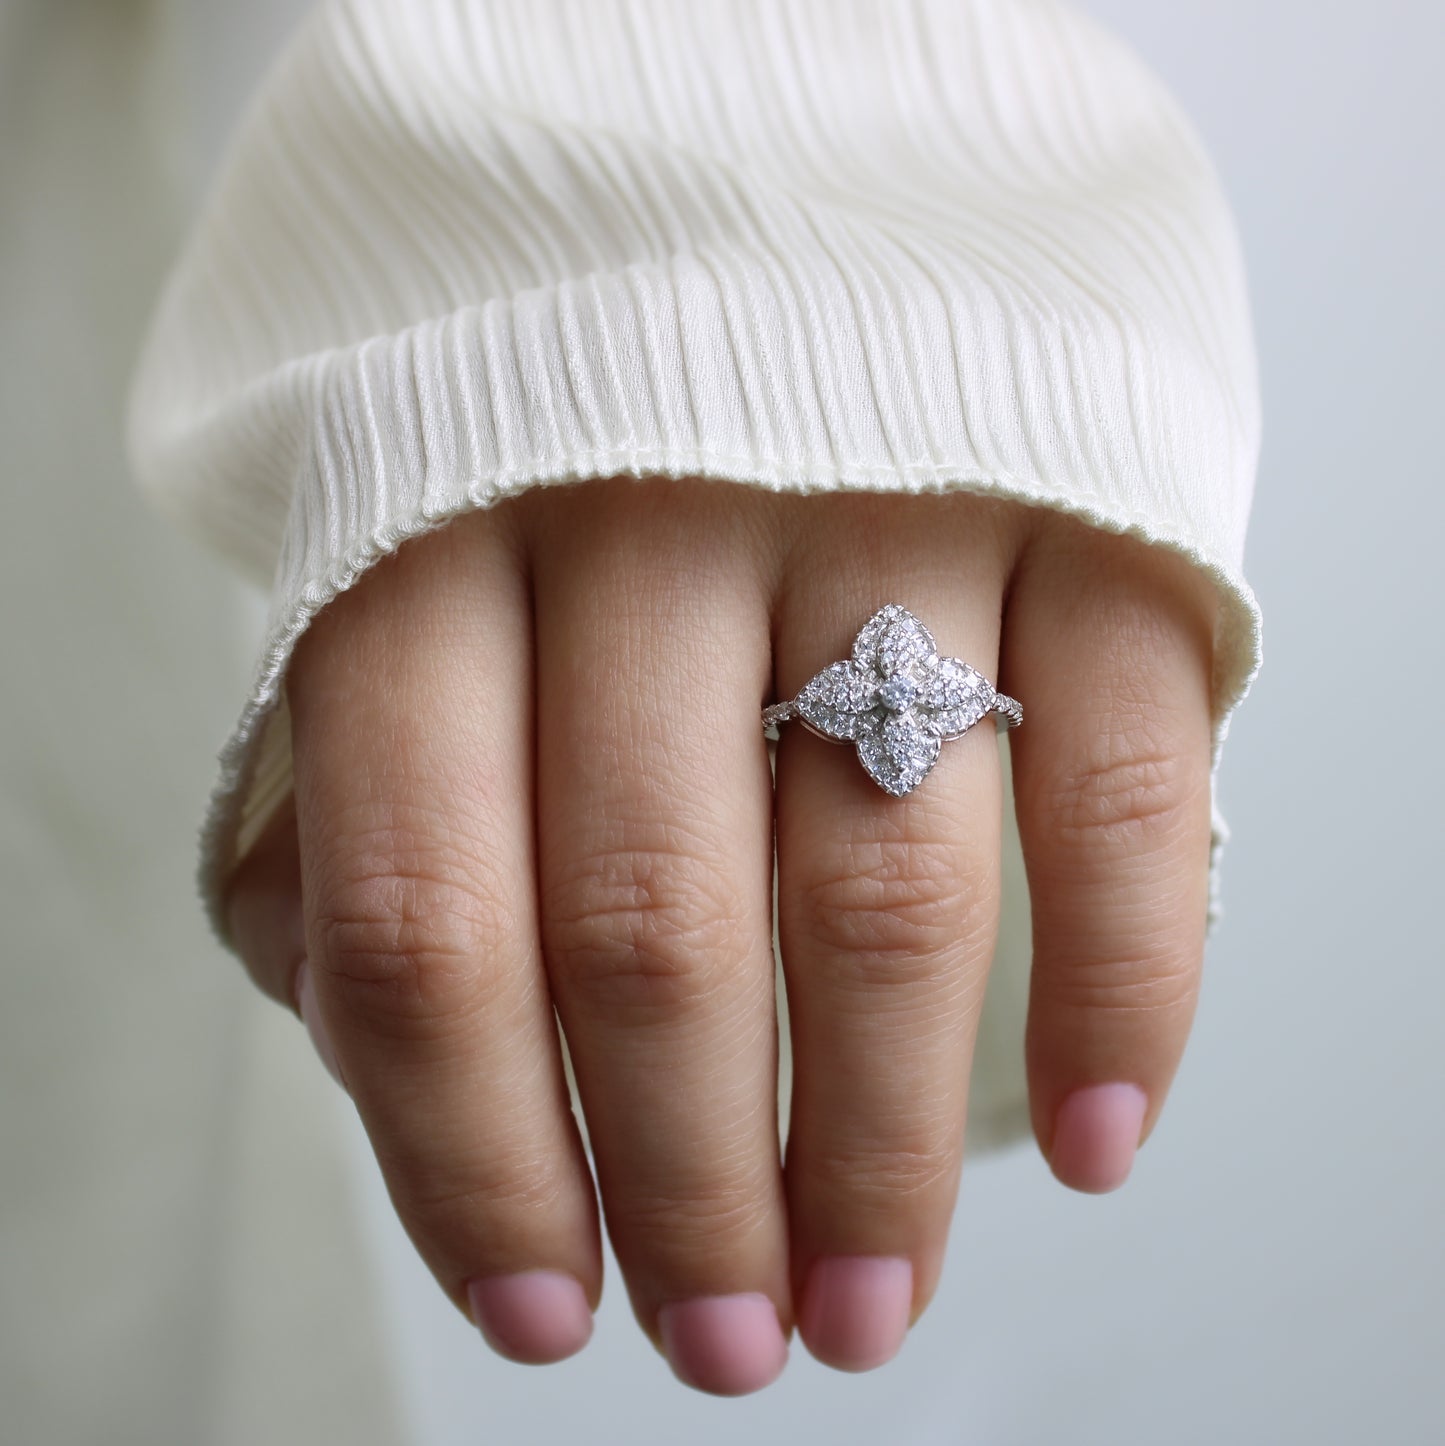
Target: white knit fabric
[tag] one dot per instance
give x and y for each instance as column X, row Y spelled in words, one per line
column 460, row 249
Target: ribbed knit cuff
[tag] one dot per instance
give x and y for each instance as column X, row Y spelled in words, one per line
column 522, row 395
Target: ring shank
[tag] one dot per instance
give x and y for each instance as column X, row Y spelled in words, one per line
column 1010, row 714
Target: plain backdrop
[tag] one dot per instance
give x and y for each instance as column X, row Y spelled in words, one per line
column 1274, row 1270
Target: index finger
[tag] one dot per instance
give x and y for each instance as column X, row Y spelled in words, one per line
column 412, row 736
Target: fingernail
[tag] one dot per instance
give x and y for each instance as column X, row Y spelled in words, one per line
column 534, row 1317
column 315, row 1025
column 727, row 1345
column 855, row 1309
column 1096, row 1134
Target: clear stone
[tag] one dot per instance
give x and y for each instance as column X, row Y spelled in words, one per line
column 897, row 699
column 953, row 698
column 898, row 693
column 949, row 684
column 865, row 645
column 898, row 756
column 838, row 699
column 906, row 647
column 893, row 640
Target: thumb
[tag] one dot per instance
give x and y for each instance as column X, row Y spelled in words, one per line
column 267, row 926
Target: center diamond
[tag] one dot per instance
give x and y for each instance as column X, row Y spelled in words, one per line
column 898, row 693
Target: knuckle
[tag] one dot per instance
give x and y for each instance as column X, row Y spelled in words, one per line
column 516, row 1189
column 1130, row 788
column 698, row 1227
column 879, row 1180
column 898, row 899
column 411, row 939
column 466, row 1211
column 642, row 927
column 1156, row 984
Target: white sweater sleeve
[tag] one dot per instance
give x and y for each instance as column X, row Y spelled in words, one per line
column 459, row 249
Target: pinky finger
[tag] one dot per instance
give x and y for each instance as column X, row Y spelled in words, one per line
column 1108, row 641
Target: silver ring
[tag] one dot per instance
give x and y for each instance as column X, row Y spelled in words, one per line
column 897, row 699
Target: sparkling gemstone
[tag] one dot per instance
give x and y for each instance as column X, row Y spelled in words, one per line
column 906, row 644
column 892, row 640
column 837, row 700
column 898, row 693
column 953, row 698
column 899, row 755
column 897, row 699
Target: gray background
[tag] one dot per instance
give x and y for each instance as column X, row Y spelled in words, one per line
column 1273, row 1272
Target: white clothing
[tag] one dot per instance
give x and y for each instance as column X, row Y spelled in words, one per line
column 459, row 250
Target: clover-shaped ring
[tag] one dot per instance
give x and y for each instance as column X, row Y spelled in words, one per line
column 897, row 699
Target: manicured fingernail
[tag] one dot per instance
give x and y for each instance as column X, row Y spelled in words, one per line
column 855, row 1309
column 534, row 1317
column 727, row 1345
column 315, row 1025
column 1096, row 1134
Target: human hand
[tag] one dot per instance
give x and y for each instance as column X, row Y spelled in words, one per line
column 529, row 771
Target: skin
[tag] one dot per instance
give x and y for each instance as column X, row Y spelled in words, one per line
column 530, row 774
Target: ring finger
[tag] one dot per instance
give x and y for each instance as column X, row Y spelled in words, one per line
column 888, row 912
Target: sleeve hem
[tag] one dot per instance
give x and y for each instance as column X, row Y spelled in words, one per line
column 255, row 762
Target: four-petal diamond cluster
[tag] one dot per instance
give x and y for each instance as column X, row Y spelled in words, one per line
column 896, row 699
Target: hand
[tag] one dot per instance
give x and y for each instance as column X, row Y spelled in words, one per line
column 529, row 772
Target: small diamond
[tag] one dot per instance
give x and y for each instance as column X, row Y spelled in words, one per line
column 898, row 693
column 905, row 645
column 953, row 698
column 900, row 755
column 836, row 701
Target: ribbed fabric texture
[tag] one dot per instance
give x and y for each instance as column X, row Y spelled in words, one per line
column 460, row 249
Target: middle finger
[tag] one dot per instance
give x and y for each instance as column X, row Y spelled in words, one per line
column 654, row 861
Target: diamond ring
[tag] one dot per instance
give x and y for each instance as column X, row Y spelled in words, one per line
column 897, row 699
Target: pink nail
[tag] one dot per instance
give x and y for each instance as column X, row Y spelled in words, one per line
column 534, row 1317
column 855, row 1309
column 1096, row 1134
column 726, row 1345
column 315, row 1025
